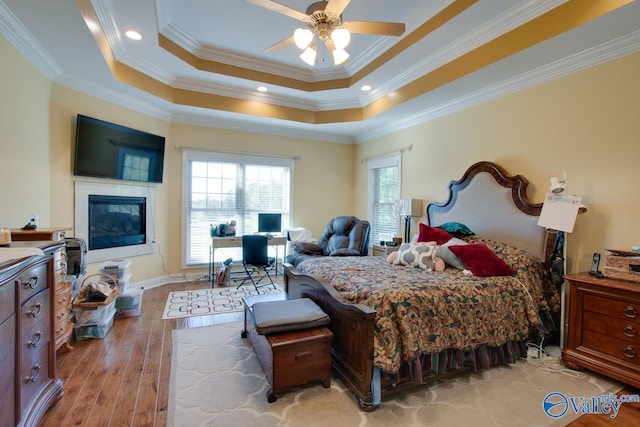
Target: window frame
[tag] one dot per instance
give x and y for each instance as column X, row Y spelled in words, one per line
column 372, row 165
column 219, row 157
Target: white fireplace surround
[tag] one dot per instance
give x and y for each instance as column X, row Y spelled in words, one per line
column 82, row 192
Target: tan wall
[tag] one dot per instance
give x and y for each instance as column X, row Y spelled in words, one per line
column 585, row 124
column 321, row 166
column 24, row 140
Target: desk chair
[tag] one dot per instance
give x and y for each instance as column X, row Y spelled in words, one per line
column 256, row 261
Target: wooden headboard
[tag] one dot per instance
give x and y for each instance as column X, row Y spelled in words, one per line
column 493, row 205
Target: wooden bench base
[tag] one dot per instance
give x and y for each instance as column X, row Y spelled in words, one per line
column 290, row 358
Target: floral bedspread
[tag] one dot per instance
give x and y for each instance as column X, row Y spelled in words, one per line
column 420, row 312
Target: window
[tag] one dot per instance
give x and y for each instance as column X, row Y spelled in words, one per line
column 220, row 188
column 384, row 191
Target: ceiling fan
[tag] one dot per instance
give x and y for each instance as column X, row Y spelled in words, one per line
column 324, row 22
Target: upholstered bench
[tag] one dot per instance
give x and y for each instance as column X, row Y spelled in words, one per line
column 290, row 340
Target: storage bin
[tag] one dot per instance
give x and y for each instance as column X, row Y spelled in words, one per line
column 119, row 268
column 123, row 283
column 98, row 330
column 94, row 314
column 129, row 304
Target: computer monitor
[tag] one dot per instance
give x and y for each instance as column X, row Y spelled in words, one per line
column 269, row 223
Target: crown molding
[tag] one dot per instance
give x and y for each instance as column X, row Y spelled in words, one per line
column 13, row 30
column 106, row 13
column 589, row 58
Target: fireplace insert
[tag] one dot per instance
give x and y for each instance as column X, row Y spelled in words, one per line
column 116, row 221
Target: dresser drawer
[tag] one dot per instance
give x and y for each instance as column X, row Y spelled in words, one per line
column 35, row 309
column 621, row 309
column 7, row 301
column 34, row 370
column 621, row 329
column 620, row 349
column 32, row 281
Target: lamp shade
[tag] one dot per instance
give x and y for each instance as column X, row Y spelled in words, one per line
column 340, row 56
column 411, row 207
column 302, row 37
column 341, row 37
column 309, row 55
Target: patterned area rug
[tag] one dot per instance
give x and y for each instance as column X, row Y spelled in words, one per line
column 216, row 380
column 202, row 302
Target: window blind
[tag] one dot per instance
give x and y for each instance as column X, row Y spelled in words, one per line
column 223, row 188
column 384, row 191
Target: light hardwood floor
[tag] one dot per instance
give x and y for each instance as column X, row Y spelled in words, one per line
column 123, row 379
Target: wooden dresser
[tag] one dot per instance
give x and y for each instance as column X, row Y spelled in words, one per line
column 604, row 327
column 28, row 382
column 62, row 287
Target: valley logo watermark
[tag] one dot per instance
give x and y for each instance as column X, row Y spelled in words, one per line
column 556, row 404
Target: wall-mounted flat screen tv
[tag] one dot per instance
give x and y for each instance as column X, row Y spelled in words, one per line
column 108, row 150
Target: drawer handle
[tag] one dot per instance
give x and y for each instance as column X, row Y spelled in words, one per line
column 62, row 301
column 32, row 283
column 303, row 355
column 35, row 372
column 36, row 340
column 630, row 312
column 36, row 311
column 629, row 352
column 629, row 331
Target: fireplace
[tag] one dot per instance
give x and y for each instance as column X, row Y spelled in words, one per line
column 116, row 220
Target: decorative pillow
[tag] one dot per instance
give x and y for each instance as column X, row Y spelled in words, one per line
column 417, row 255
column 480, row 260
column 438, row 235
column 344, row 252
column 455, row 241
column 450, row 258
column 391, row 259
column 439, row 264
column 308, row 248
column 456, row 228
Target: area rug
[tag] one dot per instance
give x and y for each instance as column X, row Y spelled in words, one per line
column 216, row 380
column 202, row 302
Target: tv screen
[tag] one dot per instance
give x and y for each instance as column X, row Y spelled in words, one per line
column 108, row 150
column 269, row 222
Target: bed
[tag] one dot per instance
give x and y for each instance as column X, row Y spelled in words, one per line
column 396, row 327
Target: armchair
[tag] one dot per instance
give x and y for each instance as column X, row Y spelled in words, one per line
column 343, row 236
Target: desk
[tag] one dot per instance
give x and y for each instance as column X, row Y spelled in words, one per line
column 236, row 242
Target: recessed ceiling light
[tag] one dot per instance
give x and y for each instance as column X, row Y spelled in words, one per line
column 365, row 88
column 133, row 35
column 262, row 89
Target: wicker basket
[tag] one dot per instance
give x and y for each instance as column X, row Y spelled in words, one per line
column 79, row 301
column 623, row 267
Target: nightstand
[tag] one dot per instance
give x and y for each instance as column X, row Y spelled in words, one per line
column 380, row 250
column 604, row 327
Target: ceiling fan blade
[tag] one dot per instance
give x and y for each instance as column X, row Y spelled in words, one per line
column 336, row 7
column 380, row 28
column 280, row 8
column 280, row 45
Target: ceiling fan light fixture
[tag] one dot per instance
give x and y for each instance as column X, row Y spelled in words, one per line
column 302, row 37
column 341, row 37
column 340, row 56
column 309, row 55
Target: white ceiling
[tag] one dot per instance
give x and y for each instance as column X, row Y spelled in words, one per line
column 54, row 36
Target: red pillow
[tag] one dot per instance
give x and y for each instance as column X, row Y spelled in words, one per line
column 480, row 260
column 432, row 234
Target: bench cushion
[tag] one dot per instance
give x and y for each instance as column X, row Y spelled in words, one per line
column 289, row 315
